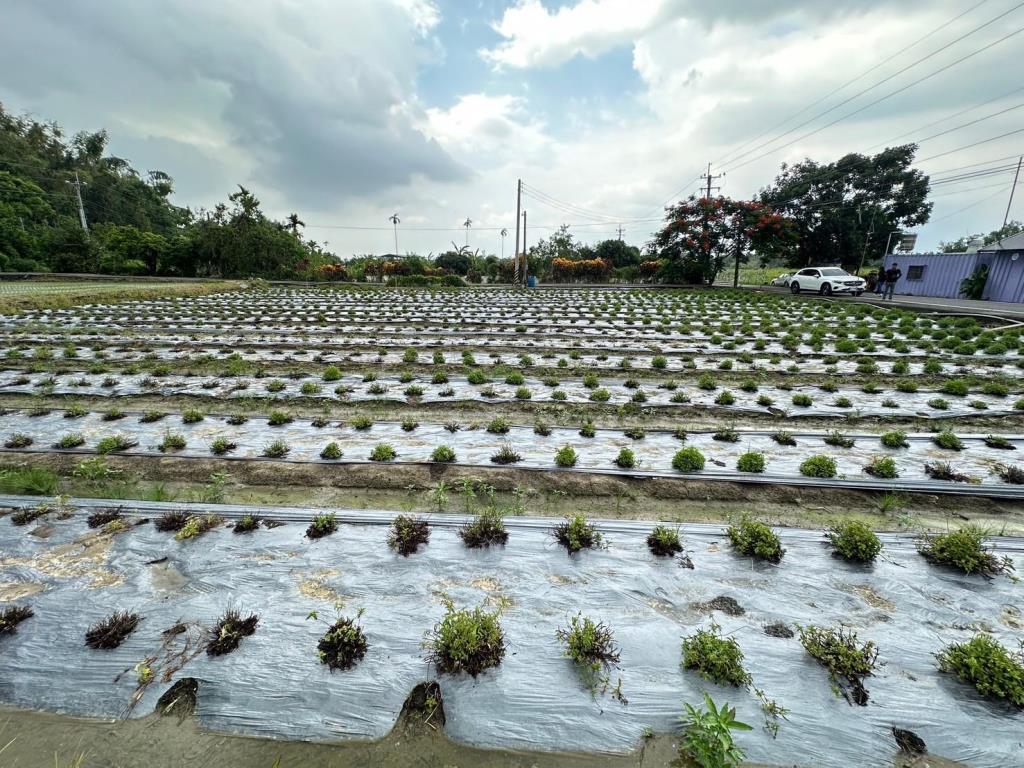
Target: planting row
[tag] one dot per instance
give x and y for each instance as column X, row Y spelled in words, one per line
column 779, row 455
column 793, row 645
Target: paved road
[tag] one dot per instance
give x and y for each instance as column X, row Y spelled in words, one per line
column 1012, row 312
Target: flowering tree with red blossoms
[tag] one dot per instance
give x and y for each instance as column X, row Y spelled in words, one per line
column 700, row 234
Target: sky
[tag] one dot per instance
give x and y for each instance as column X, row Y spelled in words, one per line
column 347, row 111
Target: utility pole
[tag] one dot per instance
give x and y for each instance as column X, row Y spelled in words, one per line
column 620, row 233
column 519, row 200
column 81, row 208
column 1016, row 176
column 710, row 177
column 526, row 266
column 736, row 246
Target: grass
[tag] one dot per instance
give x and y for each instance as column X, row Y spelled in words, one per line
column 408, row 534
column 664, row 541
column 229, row 631
column 714, row 657
column 11, row 617
column 964, row 550
column 847, row 660
column 112, row 631
column 197, row 525
column 993, row 670
column 486, row 529
column 464, row 640
column 854, row 541
column 755, row 539
column 29, row 481
column 323, row 524
column 576, row 533
column 343, row 645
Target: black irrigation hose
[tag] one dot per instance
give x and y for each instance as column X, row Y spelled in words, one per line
column 451, row 520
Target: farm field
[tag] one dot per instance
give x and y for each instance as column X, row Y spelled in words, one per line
column 361, row 469
column 45, row 294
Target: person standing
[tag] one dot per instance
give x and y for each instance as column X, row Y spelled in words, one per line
column 892, row 274
column 880, row 280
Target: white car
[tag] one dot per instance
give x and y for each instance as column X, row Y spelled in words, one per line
column 826, row 281
column 782, row 280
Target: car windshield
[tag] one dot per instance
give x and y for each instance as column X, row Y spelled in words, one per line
column 833, row 272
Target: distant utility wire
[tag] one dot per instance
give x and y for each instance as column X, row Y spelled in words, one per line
column 732, row 156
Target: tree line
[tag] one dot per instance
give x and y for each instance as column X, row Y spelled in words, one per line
column 835, row 213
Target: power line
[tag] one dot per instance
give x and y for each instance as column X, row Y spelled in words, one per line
column 879, row 100
column 831, row 93
column 968, row 146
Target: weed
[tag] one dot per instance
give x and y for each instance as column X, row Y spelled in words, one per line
column 988, row 666
column 664, row 541
column 485, row 530
column 847, row 660
column 197, row 525
column 714, row 657
column 708, row 739
column 468, row 641
column 688, row 460
column 11, row 617
column 229, row 631
column 576, row 532
column 854, row 541
column 1010, row 474
column 818, row 466
column 407, row 534
column 755, row 539
column 323, row 524
column 111, row 631
column 964, row 549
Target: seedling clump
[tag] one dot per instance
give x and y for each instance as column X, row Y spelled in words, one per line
column 485, row 530
column 323, row 525
column 229, row 631
column 343, row 644
column 854, row 541
column 111, row 631
column 591, row 646
column 468, row 641
column 847, row 660
column 988, row 666
column 714, row 657
column 964, row 549
column 197, row 525
column 664, row 541
column 688, row 460
column 171, row 521
column 407, row 534
column 382, row 452
column 755, row 539
column 818, row 466
column 576, row 533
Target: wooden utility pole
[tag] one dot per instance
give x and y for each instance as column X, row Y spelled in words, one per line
column 1016, row 176
column 519, row 200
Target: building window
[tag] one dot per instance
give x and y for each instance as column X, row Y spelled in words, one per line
column 915, row 273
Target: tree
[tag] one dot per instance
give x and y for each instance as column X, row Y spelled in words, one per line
column 962, row 244
column 618, row 253
column 458, row 261
column 701, row 233
column 293, row 224
column 845, row 211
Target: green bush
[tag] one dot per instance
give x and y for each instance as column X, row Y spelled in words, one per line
column 383, row 452
column 664, row 541
column 221, row 446
column 278, row 449
column 323, row 524
column 331, row 452
column 576, row 533
column 818, row 466
column 331, row 373
column 947, row 440
column 883, row 467
column 955, row 387
column 566, row 456
column 803, row 401
column 626, row 459
column 855, row 541
column 965, row 550
column 591, row 646
column 847, row 660
column 755, row 539
column 751, row 462
column 988, row 666
column 895, row 439
column 499, row 426
column 714, row 657
column 688, row 460
column 172, row 442
column 468, row 641
column 192, row 416
column 443, row 454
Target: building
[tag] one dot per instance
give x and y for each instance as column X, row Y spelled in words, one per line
column 940, row 274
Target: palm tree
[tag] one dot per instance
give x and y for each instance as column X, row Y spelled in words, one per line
column 294, row 222
column 503, row 233
column 467, row 224
column 395, row 221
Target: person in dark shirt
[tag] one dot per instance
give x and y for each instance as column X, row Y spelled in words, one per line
column 880, row 281
column 892, row 274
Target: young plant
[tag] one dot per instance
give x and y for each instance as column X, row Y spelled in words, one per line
column 626, row 459
column 12, row 616
column 172, row 441
column 664, row 541
column 847, row 660
column 171, row 521
column 323, row 524
column 343, row 644
column 465, row 640
column 837, row 439
column 751, row 461
column 782, row 437
column 111, row 631
column 947, row 440
column 818, row 466
column 407, row 534
column 383, row 452
column 229, row 631
column 708, row 739
column 114, row 444
column 591, row 646
column 726, row 435
column 69, row 441
column 18, row 440
column 965, row 550
column 882, row 467
column 1010, row 474
column 197, row 525
column 222, row 446
column 576, row 532
column 688, row 460
column 755, row 539
column 714, row 657
column 443, row 454
column 566, row 457
column 485, row 530
column 499, row 426
column 247, row 524
column 854, row 541
column 895, row 439
column 278, row 449
column 999, row 443
column 192, row 416
column 988, row 666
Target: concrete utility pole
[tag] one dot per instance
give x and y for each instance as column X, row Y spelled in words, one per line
column 620, row 233
column 526, row 264
column 81, row 208
column 710, row 177
column 1016, row 176
column 519, row 200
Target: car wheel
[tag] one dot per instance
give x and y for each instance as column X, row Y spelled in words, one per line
column 825, row 290
column 794, row 287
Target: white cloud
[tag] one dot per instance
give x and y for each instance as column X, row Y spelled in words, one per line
column 478, row 123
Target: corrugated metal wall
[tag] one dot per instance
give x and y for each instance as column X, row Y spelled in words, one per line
column 941, row 275
column 1006, row 278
